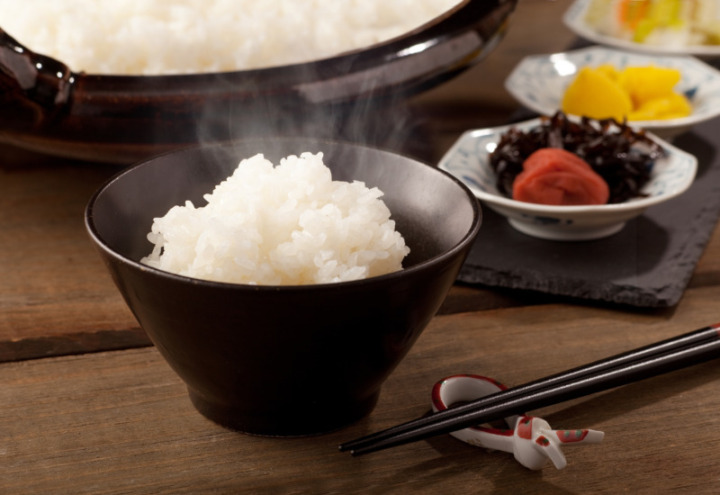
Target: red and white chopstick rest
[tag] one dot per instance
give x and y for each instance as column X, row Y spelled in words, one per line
column 530, row 439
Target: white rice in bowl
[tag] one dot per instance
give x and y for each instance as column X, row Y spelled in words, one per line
column 289, row 224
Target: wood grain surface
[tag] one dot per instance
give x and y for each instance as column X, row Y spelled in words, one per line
column 120, row 422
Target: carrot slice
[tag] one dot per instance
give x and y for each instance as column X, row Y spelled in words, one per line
column 554, row 176
column 632, row 12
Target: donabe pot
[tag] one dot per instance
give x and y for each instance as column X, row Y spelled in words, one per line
column 49, row 107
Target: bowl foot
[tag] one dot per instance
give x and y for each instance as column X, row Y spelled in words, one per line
column 311, row 418
column 563, row 232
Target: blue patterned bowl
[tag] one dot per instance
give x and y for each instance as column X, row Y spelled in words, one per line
column 539, row 82
column 468, row 160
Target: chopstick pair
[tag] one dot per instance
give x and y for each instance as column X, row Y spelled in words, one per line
column 668, row 355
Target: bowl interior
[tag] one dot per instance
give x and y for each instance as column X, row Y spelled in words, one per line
column 432, row 210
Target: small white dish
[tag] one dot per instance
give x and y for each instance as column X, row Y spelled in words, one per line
column 574, row 19
column 539, row 82
column 468, row 160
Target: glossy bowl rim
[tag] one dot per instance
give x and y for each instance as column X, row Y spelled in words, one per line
column 439, row 259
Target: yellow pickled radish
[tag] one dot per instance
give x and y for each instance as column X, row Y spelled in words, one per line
column 609, row 70
column 648, row 83
column 671, row 106
column 633, row 93
column 593, row 94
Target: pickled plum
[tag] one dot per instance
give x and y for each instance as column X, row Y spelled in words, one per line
column 553, row 176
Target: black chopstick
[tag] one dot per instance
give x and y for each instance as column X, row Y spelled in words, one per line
column 667, row 355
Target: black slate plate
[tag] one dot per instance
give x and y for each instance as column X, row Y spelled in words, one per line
column 647, row 264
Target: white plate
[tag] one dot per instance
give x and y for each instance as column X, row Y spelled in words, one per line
column 574, row 19
column 468, row 160
column 539, row 82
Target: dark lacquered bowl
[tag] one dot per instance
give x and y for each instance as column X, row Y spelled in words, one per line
column 47, row 107
column 285, row 360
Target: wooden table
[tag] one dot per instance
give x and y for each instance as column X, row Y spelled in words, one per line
column 88, row 406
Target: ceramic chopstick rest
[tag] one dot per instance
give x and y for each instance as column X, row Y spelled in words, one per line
column 530, row 439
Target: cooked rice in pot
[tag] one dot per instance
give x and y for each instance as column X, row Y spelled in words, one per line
column 143, row 37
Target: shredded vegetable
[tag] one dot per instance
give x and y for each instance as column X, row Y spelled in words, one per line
column 622, row 156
